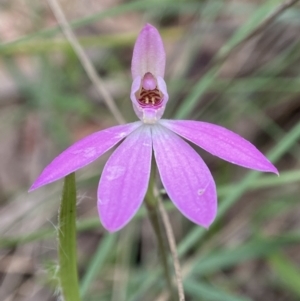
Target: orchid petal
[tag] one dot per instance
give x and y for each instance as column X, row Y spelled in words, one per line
column 83, row 152
column 222, row 143
column 163, row 88
column 185, row 177
column 148, row 53
column 134, row 88
column 124, row 180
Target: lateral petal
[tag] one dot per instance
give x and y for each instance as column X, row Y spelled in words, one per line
column 185, row 177
column 148, row 53
column 222, row 143
column 124, row 180
column 83, row 152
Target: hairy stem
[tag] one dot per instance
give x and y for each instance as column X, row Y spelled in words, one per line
column 67, row 252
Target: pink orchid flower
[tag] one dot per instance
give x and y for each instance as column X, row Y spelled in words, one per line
column 184, row 175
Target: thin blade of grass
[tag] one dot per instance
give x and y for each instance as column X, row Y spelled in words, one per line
column 96, row 263
column 242, row 34
column 257, row 248
column 286, row 271
column 203, row 291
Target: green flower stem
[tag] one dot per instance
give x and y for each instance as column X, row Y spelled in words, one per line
column 67, row 252
column 153, row 213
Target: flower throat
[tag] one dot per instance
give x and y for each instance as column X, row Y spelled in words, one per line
column 149, row 95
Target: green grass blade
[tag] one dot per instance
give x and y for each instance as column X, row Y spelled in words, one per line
column 286, row 272
column 202, row 291
column 114, row 11
column 104, row 250
column 208, row 79
column 256, row 19
column 111, row 12
column 257, row 248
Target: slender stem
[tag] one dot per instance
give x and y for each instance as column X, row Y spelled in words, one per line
column 172, row 244
column 153, row 216
column 151, row 205
column 67, row 252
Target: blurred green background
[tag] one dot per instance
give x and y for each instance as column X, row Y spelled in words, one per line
column 252, row 252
